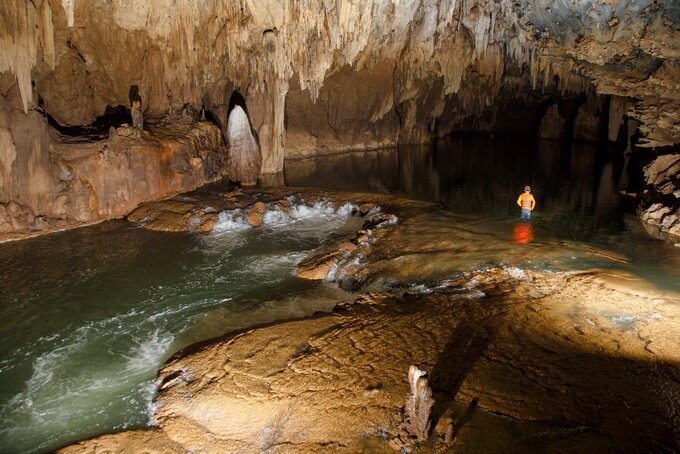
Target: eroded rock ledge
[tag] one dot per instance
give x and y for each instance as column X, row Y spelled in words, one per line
column 539, row 360
column 92, row 180
column 660, row 210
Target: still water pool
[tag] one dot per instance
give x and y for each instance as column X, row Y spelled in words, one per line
column 88, row 316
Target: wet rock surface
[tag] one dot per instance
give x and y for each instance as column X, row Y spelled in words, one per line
column 517, row 359
column 146, row 441
column 660, row 210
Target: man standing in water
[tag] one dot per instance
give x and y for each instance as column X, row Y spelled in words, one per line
column 527, row 203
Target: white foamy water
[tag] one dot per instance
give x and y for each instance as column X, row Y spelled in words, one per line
column 145, row 352
column 265, row 265
column 231, row 221
column 320, row 212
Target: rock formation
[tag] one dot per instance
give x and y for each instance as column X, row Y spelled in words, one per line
column 396, row 65
column 499, row 346
column 137, row 118
column 77, row 183
column 661, row 201
column 245, row 161
column 419, row 403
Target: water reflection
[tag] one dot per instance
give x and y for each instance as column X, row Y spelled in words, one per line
column 480, row 176
column 523, row 233
column 577, row 189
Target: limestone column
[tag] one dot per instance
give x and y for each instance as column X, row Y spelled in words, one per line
column 267, row 103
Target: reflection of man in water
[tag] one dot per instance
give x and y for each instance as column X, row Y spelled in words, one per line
column 527, row 202
column 523, row 233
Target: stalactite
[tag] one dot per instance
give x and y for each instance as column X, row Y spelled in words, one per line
column 26, row 38
column 69, row 8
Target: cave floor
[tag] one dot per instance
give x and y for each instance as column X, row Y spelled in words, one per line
column 521, row 356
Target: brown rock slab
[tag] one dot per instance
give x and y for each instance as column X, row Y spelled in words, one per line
column 256, row 214
column 164, row 216
column 208, row 222
column 138, row 441
column 317, row 268
column 347, row 246
column 341, row 380
column 527, row 358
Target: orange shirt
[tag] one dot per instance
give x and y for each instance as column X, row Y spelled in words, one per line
column 526, row 201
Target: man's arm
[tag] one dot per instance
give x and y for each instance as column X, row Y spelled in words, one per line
column 519, row 200
column 533, row 202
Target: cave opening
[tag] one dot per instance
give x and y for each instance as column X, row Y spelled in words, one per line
column 212, row 118
column 237, row 99
column 113, row 116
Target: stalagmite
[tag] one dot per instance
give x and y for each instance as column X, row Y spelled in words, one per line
column 419, row 403
column 137, row 118
column 244, row 153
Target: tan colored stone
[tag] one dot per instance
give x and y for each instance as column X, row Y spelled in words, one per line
column 342, row 379
column 347, row 246
column 196, row 162
column 256, row 214
column 317, row 268
column 93, row 181
column 138, row 441
column 364, row 208
column 208, row 222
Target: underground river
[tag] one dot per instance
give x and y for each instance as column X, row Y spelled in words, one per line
column 88, row 316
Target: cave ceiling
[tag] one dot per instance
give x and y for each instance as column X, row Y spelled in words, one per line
column 425, row 58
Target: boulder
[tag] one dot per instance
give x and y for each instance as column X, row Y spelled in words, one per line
column 663, row 173
column 256, row 214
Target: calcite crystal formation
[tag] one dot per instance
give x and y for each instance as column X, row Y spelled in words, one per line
column 244, row 153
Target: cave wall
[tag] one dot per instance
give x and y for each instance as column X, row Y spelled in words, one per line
column 80, row 56
column 354, row 110
column 325, row 76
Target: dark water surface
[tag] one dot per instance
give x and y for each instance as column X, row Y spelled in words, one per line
column 578, row 188
column 88, row 316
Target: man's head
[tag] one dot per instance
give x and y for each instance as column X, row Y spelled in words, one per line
column 527, row 189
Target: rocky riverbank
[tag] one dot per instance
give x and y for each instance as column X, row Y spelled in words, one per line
column 660, row 210
column 569, row 361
